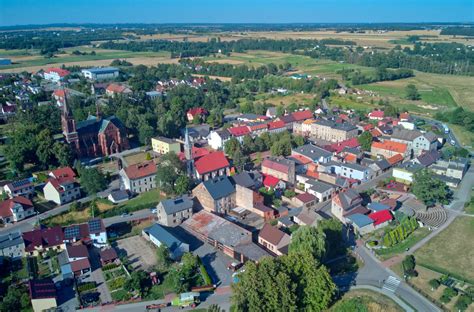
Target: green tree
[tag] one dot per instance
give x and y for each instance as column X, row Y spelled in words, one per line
column 169, row 169
column 365, row 140
column 298, row 140
column 231, row 146
column 463, row 302
column 45, row 149
column 63, row 154
column 92, row 180
column 409, row 266
column 429, row 189
column 182, row 185
column 434, row 283
column 138, row 281
column 239, row 160
column 163, row 257
column 311, row 239
column 412, row 92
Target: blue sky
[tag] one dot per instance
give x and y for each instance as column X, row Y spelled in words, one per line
column 17, row 12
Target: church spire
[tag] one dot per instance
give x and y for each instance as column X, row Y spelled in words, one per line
column 188, row 153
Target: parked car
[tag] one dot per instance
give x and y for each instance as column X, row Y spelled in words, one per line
column 234, row 266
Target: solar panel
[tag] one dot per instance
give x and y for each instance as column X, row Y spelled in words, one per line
column 21, row 183
column 95, row 225
column 72, row 231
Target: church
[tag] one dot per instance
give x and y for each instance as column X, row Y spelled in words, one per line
column 95, row 136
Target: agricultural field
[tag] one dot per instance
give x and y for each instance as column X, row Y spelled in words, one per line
column 449, row 252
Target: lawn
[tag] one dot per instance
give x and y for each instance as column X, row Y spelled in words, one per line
column 415, row 237
column 452, row 250
column 136, row 158
column 348, row 103
column 280, row 99
column 365, row 300
column 465, row 137
column 469, row 208
column 145, row 200
column 161, row 290
column 81, row 215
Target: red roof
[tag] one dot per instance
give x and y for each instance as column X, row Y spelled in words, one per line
column 368, row 127
column 141, row 170
column 302, row 115
column 59, row 93
column 7, row 205
column 404, row 116
column 338, row 147
column 239, row 131
column 77, row 251
column 270, row 181
column 274, row 165
column 80, row 265
column 196, row 152
column 376, row 114
column 65, row 174
column 375, row 133
column 276, row 124
column 211, row 162
column 271, row 234
column 48, row 237
column 301, row 159
column 258, row 126
column 61, row 72
column 116, row 88
column 380, row 217
column 108, row 255
column 395, row 159
column 306, row 197
column 391, row 146
column 197, row 111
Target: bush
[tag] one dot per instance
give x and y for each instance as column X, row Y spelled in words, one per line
column 116, row 283
column 463, row 302
column 109, row 266
column 86, row 286
column 434, row 283
column 120, row 295
column 409, row 266
column 448, row 294
column 289, row 193
column 205, row 276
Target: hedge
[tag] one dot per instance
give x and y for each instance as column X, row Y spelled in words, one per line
column 109, row 266
column 86, row 286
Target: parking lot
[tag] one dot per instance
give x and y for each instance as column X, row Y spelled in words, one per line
column 140, row 253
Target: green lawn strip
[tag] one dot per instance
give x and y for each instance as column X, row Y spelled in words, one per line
column 411, row 240
column 465, row 137
column 347, row 103
column 159, row 291
column 445, row 272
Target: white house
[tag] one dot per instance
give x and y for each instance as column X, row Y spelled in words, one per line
column 55, row 74
column 217, row 139
column 62, row 187
column 100, row 73
column 322, row 191
column 355, row 171
column 15, row 209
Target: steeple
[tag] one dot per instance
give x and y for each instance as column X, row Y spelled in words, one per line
column 188, row 153
column 68, row 123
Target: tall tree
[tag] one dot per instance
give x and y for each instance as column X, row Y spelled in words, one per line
column 412, row 92
column 45, row 149
column 92, row 180
column 429, row 189
column 311, row 239
column 365, row 140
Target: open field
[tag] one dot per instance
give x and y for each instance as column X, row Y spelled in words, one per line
column 372, row 301
column 279, row 99
column 450, row 250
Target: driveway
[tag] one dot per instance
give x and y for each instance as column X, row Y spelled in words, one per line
column 97, row 275
column 139, row 252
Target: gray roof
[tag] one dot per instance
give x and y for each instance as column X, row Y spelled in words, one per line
column 430, row 136
column 224, row 133
column 119, row 195
column 375, row 206
column 12, row 239
column 383, row 164
column 102, row 70
column 243, row 179
column 165, row 139
column 360, row 220
column 219, row 187
column 312, row 152
column 197, row 130
column 447, row 179
column 164, row 236
column 411, row 167
column 349, row 198
column 354, row 166
column 428, row 158
column 339, row 126
column 252, row 251
column 177, row 204
column 319, row 187
column 404, row 134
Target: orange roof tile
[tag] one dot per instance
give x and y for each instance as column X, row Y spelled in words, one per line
column 391, row 146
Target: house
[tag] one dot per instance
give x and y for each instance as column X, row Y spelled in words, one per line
column 271, row 182
column 12, row 245
column 381, row 218
column 239, row 132
column 60, row 95
column 328, row 130
column 172, row 212
column 100, row 73
column 376, row 115
column 347, row 146
column 306, row 200
column 276, row 126
column 218, row 138
column 313, row 153
column 138, row 178
column 41, row 240
column 404, row 172
column 55, row 74
column 271, row 112
column 92, row 232
column 115, row 89
column 302, row 115
column 211, row 166
column 198, row 112
column 387, row 149
column 159, row 235
column 78, row 258
column 42, row 294
column 162, row 145
column 15, row 209
column 347, row 203
column 416, row 142
column 62, row 187
column 247, row 179
column 274, row 240
column 280, row 168
column 428, row 158
column 456, row 168
column 355, row 171
column 108, row 256
column 153, row 94
column 322, row 191
column 378, row 206
column 249, row 199
column 226, row 236
column 361, row 223
column 216, row 195
column 288, row 120
column 22, row 187
column 197, row 132
column 118, row 196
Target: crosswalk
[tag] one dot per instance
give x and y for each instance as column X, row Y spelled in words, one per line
column 391, row 284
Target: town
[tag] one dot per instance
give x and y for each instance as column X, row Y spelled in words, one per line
column 153, row 188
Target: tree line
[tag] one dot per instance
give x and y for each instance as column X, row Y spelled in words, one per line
column 356, row 77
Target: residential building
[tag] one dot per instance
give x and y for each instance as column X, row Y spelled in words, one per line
column 404, row 172
column 159, row 235
column 162, row 145
column 347, row 203
column 218, row 138
column 428, row 158
column 451, row 168
column 305, row 200
column 115, row 89
column 42, row 294
column 274, row 240
column 196, row 112
column 139, row 178
column 100, row 73
column 93, row 232
column 55, row 74
column 15, row 209
column 322, row 191
column 62, row 187
column 78, row 258
column 108, row 256
column 361, row 223
column 39, row 241
column 417, row 142
column 387, row 149
column 327, row 130
column 276, row 126
column 355, row 171
column 211, row 166
column 17, row 188
column 12, row 245
column 239, row 132
column 376, row 115
column 172, row 212
column 381, row 218
column 226, row 236
column 313, row 153
column 280, row 168
column 216, row 195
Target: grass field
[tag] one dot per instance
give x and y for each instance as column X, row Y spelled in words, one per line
column 415, row 237
column 371, row 301
column 452, row 250
column 278, row 99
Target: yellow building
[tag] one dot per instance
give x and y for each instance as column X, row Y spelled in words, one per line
column 162, row 145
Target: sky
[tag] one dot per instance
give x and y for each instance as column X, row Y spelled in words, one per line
column 21, row 12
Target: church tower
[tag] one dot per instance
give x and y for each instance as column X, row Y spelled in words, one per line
column 68, row 125
column 188, row 153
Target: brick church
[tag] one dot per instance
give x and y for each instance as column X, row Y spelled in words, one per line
column 95, row 136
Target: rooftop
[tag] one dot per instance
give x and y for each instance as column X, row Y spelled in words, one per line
column 211, row 162
column 219, row 187
column 141, row 170
column 271, row 234
column 42, row 288
column 164, row 236
column 177, row 204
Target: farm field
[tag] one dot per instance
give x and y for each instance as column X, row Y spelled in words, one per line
column 449, row 252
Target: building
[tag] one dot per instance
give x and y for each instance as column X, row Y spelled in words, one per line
column 417, row 142
column 326, row 130
column 100, row 73
column 162, row 145
column 159, row 235
column 196, row 112
column 280, row 168
column 355, row 171
column 387, row 149
column 451, row 168
column 347, row 203
column 274, row 240
column 138, row 178
column 108, row 256
column 226, row 236
column 216, row 195
column 62, row 187
column 42, row 294
column 115, row 89
column 306, row 200
column 55, row 74
column 95, row 136
column 218, row 138
column 380, row 218
column 5, row 61
column 322, row 191
column 39, row 241
column 78, row 258
column 93, row 232
column 211, row 166
column 12, row 245
column 361, row 223
column 239, row 132
column 376, row 115
column 172, row 212
column 15, row 209
column 313, row 153
column 17, row 188
column 404, row 172
column 118, row 196
column 276, row 126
